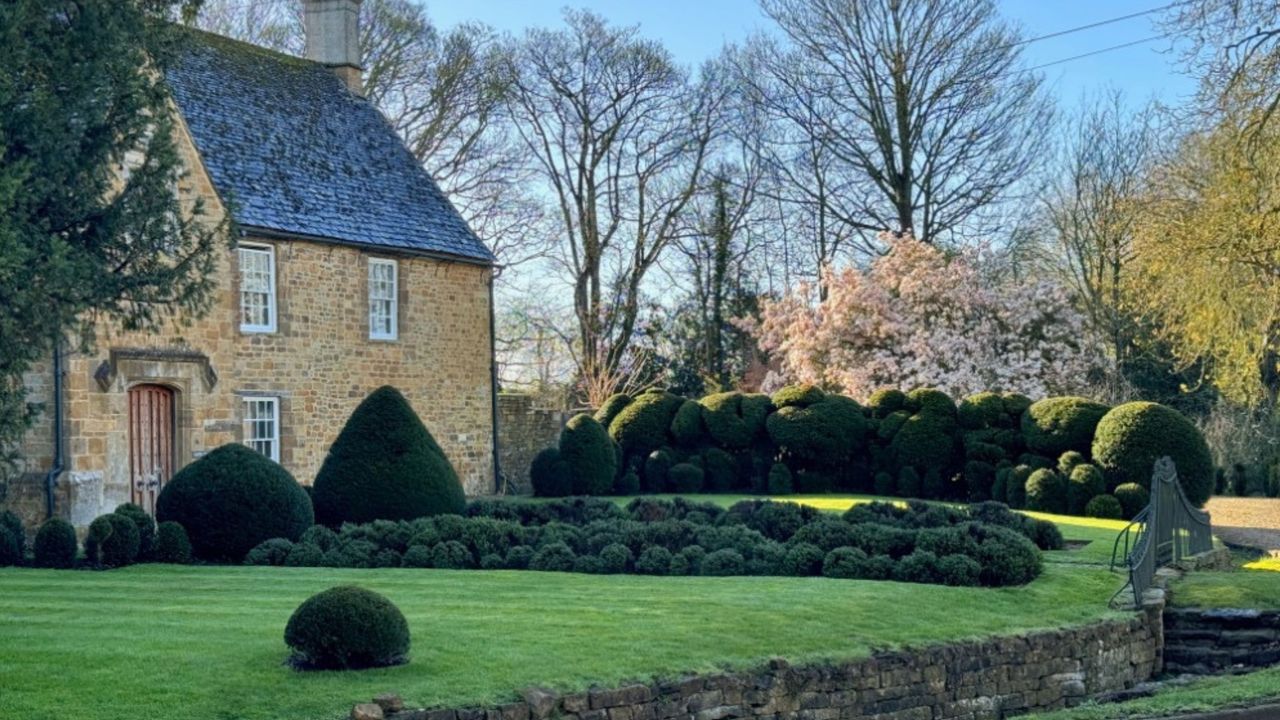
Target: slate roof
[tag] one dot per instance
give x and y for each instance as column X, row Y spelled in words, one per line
column 296, row 153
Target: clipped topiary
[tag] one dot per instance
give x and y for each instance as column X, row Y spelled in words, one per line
column 270, row 552
column 980, row 410
column 611, row 407
column 232, row 499
column 735, row 419
column 384, row 465
column 55, row 545
column 686, row 425
column 886, row 401
column 146, row 528
column 172, row 544
column 909, row 483
column 347, row 628
column 1068, row 461
column 720, row 472
column 1133, row 498
column 1017, row 487
column 656, row 467
column 628, row 483
column 549, row 475
column 641, row 427
column 1084, row 484
column 589, row 456
column 927, row 440
column 979, row 478
column 827, row 432
column 931, row 401
column 11, row 522
column 797, row 396
column 780, row 480
column 1015, row 404
column 685, row 478
column 111, row 541
column 1104, row 506
column 1055, row 425
column 1046, row 492
column 1131, row 437
column 10, row 552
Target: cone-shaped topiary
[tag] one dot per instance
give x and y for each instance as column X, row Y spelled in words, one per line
column 55, row 545
column 1055, row 425
column 347, row 628
column 588, row 455
column 384, row 465
column 1131, row 437
column 232, row 499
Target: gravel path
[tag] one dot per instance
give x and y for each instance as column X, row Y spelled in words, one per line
column 1250, row 522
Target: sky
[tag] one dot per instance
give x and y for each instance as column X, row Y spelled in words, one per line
column 695, row 29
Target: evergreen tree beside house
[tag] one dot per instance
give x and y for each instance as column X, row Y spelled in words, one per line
column 349, row 270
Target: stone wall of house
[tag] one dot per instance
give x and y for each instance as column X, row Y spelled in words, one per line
column 319, row 363
column 962, row 681
column 1217, row 640
column 524, row 430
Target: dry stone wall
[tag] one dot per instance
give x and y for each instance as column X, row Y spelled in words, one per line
column 1208, row 641
column 977, row 680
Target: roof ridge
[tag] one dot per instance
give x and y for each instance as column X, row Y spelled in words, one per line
column 237, row 44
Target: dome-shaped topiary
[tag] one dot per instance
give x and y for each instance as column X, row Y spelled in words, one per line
column 146, row 527
column 1104, row 506
column 1133, row 498
column 347, row 628
column 1055, row 425
column 641, row 427
column 588, row 455
column 685, row 478
column 1046, row 491
column 1084, row 484
column 232, row 499
column 111, row 541
column 886, row 401
column 686, row 425
column 55, row 545
column 1131, row 437
column 549, row 475
column 10, row 521
column 735, row 419
column 611, row 407
column 656, row 467
column 780, row 481
column 1016, row 487
column 828, row 432
column 931, row 401
column 927, row 440
column 797, row 396
column 172, row 544
column 1015, row 404
column 384, row 465
column 720, row 471
column 980, row 410
column 1068, row 461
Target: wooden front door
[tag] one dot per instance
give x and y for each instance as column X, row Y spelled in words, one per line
column 151, row 442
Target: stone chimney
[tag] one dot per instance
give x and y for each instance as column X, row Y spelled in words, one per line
column 333, row 38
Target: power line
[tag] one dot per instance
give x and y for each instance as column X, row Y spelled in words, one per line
column 1098, row 52
column 1099, row 23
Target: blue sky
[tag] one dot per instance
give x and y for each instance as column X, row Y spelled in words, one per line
column 695, row 29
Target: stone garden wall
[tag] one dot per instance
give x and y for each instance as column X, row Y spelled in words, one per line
column 970, row 681
column 524, row 429
column 1208, row 641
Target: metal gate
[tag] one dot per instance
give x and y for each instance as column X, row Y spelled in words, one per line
column 151, row 442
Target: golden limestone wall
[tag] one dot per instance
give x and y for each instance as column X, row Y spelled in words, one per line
column 319, row 363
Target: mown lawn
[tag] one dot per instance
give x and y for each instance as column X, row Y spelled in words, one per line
column 198, row 642
column 1256, row 584
column 1210, row 693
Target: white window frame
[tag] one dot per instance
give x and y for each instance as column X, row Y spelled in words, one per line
column 270, row 252
column 274, row 403
column 375, row 333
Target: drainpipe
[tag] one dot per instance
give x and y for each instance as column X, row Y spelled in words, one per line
column 51, row 480
column 493, row 384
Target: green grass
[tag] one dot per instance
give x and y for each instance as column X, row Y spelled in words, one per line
column 1211, row 693
column 1255, row 585
column 198, row 643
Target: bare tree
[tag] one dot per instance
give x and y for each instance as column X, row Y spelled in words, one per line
column 1092, row 210
column 442, row 93
column 921, row 106
column 1235, row 48
column 620, row 136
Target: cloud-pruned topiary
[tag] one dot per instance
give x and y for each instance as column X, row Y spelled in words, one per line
column 55, row 545
column 588, row 454
column 384, row 465
column 886, row 401
column 611, row 407
column 735, row 419
column 1047, row 491
column 1131, row 437
column 828, row 431
column 347, row 628
column 1053, row 426
column 926, row 441
column 642, row 426
column 980, row 410
column 232, row 499
column 686, row 424
column 931, row 401
column 798, row 396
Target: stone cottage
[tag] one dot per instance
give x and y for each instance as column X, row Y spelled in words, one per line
column 350, row 270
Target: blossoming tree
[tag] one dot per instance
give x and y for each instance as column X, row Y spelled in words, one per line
column 922, row 317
